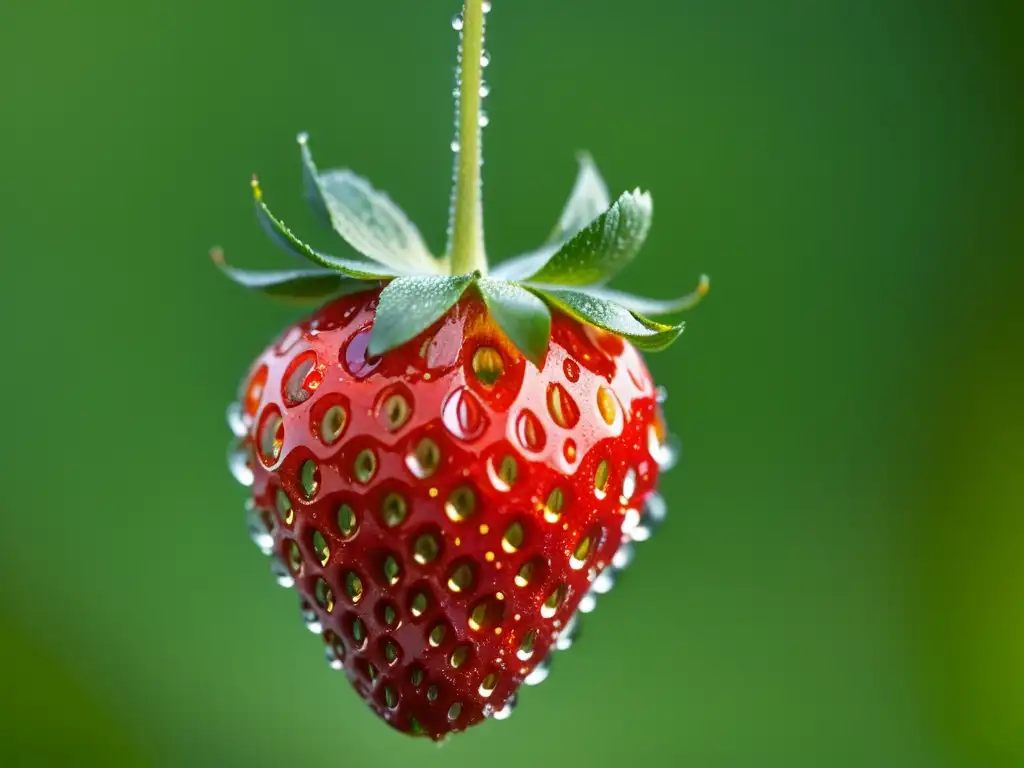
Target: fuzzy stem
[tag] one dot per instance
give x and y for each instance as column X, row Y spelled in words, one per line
column 467, row 245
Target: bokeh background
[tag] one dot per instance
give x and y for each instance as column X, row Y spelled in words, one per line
column 841, row 582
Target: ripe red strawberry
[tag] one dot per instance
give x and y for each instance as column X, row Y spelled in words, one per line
column 450, row 465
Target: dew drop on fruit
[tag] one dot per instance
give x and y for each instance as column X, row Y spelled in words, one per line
column 240, row 462
column 462, row 415
column 539, row 673
column 281, row 574
column 571, row 370
column 310, row 619
column 254, row 392
column 628, row 485
column 236, row 420
column 530, row 431
column 261, row 527
column 506, row 711
column 355, row 358
column 301, row 380
column 562, row 407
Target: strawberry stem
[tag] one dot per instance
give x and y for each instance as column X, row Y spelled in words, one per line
column 467, row 243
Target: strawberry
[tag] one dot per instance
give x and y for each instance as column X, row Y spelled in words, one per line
column 449, row 463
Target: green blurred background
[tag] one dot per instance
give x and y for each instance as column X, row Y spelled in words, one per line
column 841, row 582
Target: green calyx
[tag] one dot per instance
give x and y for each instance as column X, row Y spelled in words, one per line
column 592, row 242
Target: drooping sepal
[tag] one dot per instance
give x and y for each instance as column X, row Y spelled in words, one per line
column 409, row 305
column 521, row 315
column 367, row 219
column 301, row 286
column 643, row 332
column 357, row 268
column 645, row 306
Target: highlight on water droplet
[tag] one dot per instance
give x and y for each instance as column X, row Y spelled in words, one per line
column 458, row 22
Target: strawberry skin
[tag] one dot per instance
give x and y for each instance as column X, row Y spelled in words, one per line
column 443, row 509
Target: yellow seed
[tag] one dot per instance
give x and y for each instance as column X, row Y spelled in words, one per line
column 553, row 602
column 525, row 574
column 460, row 504
column 393, row 510
column 419, row 604
column 601, row 479
column 461, row 579
column 323, row 552
column 606, row 405
column 458, row 656
column 553, row 507
column 425, row 549
column 488, row 365
column 582, row 552
column 513, row 538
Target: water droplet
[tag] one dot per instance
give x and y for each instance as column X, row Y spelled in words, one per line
column 334, row 651
column 569, row 450
column 553, row 602
column 529, row 431
column 310, row 619
column 310, row 478
column 281, row 574
column 506, row 711
column 332, row 423
column 365, row 466
column 324, row 595
column 463, row 415
column 488, row 365
column 347, row 522
column 571, row 370
column 460, row 504
column 485, row 59
column 562, row 407
column 271, row 436
column 512, row 540
column 301, row 380
column 568, row 635
column 356, row 359
column 553, row 506
column 539, row 673
column 526, row 645
column 457, row 22
column 236, row 420
column 461, row 578
column 426, row 548
column 653, row 515
column 393, row 510
column 455, row 145
column 607, row 406
column 261, row 528
column 486, row 6
column 485, row 120
column 424, row 459
column 623, row 556
column 353, row 586
column 485, row 90
column 240, row 462
column 323, row 552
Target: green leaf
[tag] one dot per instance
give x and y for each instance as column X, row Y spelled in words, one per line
column 409, row 305
column 524, row 318
column 641, row 331
column 310, row 285
column 367, row 219
column 588, row 200
column 284, row 238
column 603, row 248
column 645, row 306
